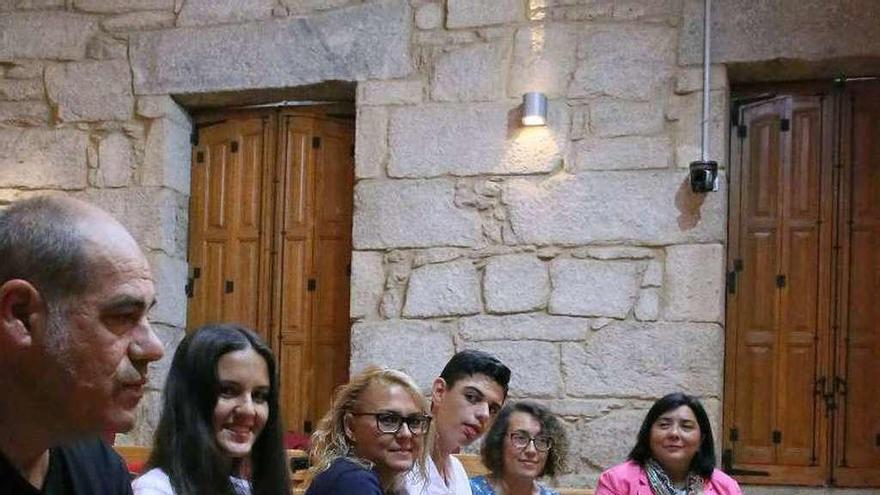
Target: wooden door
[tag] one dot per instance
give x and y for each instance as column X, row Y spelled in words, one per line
column 334, row 191
column 314, row 243
column 228, row 238
column 857, row 456
column 270, row 243
column 803, row 323
column 296, row 210
column 776, row 317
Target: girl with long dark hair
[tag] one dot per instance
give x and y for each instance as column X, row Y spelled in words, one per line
column 220, row 432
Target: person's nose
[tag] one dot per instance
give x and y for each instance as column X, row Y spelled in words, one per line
column 245, row 409
column 404, row 431
column 530, row 448
column 482, row 412
column 145, row 346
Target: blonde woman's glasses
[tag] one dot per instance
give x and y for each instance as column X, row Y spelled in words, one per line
column 390, row 422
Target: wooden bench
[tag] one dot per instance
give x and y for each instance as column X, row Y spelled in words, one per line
column 136, row 456
column 298, row 476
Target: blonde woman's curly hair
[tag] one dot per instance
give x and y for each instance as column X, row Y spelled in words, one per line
column 329, row 441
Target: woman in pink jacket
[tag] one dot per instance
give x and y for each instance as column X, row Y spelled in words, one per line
column 674, row 455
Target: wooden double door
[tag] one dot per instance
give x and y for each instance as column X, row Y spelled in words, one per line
column 270, row 243
column 803, row 302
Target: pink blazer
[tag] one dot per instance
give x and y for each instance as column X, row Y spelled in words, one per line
column 630, row 479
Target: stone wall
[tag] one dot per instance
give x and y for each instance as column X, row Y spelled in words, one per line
column 576, row 251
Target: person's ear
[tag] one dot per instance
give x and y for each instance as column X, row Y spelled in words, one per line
column 438, row 390
column 20, row 309
column 346, row 427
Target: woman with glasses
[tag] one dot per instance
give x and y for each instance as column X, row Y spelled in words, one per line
column 674, row 455
column 371, row 437
column 526, row 442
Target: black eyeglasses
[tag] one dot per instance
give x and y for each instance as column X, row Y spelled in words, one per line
column 521, row 440
column 390, row 422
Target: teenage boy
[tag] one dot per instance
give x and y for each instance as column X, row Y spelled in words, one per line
column 465, row 399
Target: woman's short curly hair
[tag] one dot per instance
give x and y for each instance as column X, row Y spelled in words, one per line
column 492, row 450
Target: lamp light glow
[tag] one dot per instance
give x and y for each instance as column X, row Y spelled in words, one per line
column 534, row 109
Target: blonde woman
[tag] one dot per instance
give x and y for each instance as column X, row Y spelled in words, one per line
column 372, row 436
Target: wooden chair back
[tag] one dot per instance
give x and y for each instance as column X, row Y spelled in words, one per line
column 472, row 464
column 135, row 457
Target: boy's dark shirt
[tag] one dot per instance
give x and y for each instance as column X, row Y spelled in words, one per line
column 83, row 468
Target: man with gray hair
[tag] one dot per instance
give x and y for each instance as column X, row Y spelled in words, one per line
column 75, row 290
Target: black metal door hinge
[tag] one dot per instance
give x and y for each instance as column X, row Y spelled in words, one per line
column 200, row 157
column 189, row 288
column 734, row 435
column 316, row 142
column 785, row 125
column 312, row 285
column 777, row 436
column 780, row 281
column 233, row 146
column 230, row 286
column 741, row 131
column 732, row 275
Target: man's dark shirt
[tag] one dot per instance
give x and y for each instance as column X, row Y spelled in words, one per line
column 83, row 468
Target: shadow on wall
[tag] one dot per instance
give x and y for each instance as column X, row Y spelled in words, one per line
column 688, row 204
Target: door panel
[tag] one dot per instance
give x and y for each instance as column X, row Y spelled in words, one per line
column 857, row 460
column 297, row 220
column 754, row 405
column 243, row 300
column 292, row 355
column 210, row 225
column 333, row 214
column 777, row 316
column 799, row 308
column 316, row 245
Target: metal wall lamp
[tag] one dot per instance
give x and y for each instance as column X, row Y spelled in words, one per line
column 534, row 109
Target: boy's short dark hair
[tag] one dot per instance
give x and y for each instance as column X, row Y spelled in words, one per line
column 471, row 362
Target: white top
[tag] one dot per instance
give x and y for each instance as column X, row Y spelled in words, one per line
column 156, row 482
column 455, row 473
